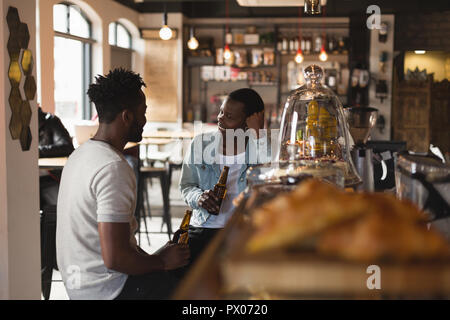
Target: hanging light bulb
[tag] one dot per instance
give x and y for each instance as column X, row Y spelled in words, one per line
column 323, row 56
column 313, row 7
column 227, row 52
column 193, row 42
column 226, row 49
column 299, row 56
column 165, row 33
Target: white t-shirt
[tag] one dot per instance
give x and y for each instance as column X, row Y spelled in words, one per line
column 97, row 185
column 235, row 163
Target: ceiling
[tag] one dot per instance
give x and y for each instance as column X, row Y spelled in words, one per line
column 335, row 8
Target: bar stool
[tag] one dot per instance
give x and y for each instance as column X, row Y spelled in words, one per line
column 147, row 173
column 48, row 248
column 174, row 166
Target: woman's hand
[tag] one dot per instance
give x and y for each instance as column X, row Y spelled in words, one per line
column 256, row 122
column 209, row 201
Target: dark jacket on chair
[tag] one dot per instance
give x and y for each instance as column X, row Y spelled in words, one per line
column 54, row 140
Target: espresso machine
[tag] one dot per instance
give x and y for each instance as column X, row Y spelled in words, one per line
column 360, row 121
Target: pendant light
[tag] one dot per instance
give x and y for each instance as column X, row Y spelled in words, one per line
column 313, row 7
column 299, row 56
column 227, row 52
column 323, row 56
column 193, row 42
column 165, row 33
column 226, row 49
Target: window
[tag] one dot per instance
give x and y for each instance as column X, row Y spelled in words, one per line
column 119, row 36
column 120, row 42
column 72, row 54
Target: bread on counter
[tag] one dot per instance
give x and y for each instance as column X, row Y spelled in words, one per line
column 352, row 226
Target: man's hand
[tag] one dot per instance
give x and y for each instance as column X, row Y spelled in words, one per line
column 256, row 122
column 120, row 255
column 176, row 236
column 209, row 201
column 174, row 255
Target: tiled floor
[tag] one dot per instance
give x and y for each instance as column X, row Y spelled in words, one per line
column 157, row 236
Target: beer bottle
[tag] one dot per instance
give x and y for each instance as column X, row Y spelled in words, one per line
column 220, row 189
column 184, row 237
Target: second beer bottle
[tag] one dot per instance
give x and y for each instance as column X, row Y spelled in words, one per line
column 184, row 237
column 220, row 188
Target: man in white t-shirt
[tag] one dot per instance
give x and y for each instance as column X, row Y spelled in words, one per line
column 97, row 252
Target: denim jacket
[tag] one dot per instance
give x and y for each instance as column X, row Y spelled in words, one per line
column 200, row 172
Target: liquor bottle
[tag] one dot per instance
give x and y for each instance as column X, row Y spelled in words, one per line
column 280, row 46
column 308, row 44
column 330, row 44
column 317, row 44
column 184, row 237
column 292, row 46
column 285, row 46
column 220, row 189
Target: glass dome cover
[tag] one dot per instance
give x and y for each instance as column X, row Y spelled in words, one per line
column 314, row 128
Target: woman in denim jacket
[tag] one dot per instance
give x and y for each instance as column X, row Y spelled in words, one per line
column 240, row 142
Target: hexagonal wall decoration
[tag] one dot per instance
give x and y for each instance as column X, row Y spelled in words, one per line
column 25, row 138
column 20, row 67
column 13, row 46
column 23, row 36
column 27, row 63
column 30, row 88
column 14, row 73
column 25, row 113
column 12, row 18
column 15, row 99
column 15, row 125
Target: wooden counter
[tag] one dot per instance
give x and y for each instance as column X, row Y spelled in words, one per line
column 204, row 280
column 225, row 271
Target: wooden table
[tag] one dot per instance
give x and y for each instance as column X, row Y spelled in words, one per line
column 156, row 141
column 52, row 163
column 168, row 134
column 60, row 162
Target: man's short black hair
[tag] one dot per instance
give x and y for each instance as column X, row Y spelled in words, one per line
column 112, row 94
column 250, row 98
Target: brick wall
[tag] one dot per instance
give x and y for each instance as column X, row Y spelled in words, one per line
column 429, row 31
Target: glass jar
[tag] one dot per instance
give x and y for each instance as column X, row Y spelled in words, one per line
column 314, row 129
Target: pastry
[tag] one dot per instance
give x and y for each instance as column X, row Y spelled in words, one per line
column 359, row 227
column 292, row 217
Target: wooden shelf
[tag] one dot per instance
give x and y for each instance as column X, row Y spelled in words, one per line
column 225, row 81
column 342, row 58
column 269, row 45
column 262, row 66
column 288, row 92
column 279, row 27
column 313, row 54
column 266, row 84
